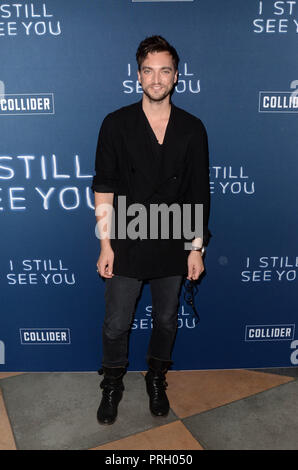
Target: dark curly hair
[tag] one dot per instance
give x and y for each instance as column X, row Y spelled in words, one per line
column 155, row 44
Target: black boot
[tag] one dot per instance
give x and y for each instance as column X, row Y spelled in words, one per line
column 112, row 389
column 156, row 385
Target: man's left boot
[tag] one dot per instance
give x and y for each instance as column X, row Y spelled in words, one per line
column 156, row 386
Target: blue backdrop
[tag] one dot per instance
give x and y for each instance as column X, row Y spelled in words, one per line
column 64, row 66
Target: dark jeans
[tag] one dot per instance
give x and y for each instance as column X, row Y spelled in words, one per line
column 121, row 294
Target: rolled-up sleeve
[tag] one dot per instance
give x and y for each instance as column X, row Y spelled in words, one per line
column 106, row 178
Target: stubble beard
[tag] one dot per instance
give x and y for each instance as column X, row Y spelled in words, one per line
column 158, row 99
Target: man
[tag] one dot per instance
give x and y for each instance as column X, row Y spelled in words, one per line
column 149, row 153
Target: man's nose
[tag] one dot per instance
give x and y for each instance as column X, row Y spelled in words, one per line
column 156, row 76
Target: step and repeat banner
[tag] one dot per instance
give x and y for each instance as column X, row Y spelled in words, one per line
column 64, row 66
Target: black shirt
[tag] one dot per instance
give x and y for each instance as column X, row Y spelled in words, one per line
column 130, row 162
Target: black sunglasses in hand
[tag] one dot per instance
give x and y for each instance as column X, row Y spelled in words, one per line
column 190, row 290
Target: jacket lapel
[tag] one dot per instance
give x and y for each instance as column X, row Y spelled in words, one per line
column 139, row 145
column 142, row 156
column 174, row 148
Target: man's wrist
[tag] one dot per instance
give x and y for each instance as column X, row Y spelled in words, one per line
column 199, row 249
column 105, row 243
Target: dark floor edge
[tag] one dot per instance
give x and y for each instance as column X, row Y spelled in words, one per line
column 285, row 371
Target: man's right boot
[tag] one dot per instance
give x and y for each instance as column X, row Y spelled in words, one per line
column 156, row 386
column 112, row 390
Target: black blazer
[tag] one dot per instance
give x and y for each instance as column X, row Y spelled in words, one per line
column 127, row 165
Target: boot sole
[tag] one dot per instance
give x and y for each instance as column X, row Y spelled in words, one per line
column 104, row 423
column 159, row 416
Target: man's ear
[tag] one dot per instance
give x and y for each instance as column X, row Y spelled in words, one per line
column 176, row 77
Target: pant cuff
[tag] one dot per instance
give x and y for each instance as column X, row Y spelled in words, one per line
column 159, row 359
column 114, row 365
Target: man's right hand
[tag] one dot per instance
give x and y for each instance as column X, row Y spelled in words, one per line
column 105, row 262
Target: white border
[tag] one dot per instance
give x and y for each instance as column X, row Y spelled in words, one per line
column 269, row 91
column 269, row 339
column 29, row 114
column 44, row 342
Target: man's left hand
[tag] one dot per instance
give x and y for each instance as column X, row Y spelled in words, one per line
column 195, row 265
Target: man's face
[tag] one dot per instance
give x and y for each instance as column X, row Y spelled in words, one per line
column 157, row 75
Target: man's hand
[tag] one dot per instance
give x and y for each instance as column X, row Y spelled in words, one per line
column 105, row 262
column 195, row 265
